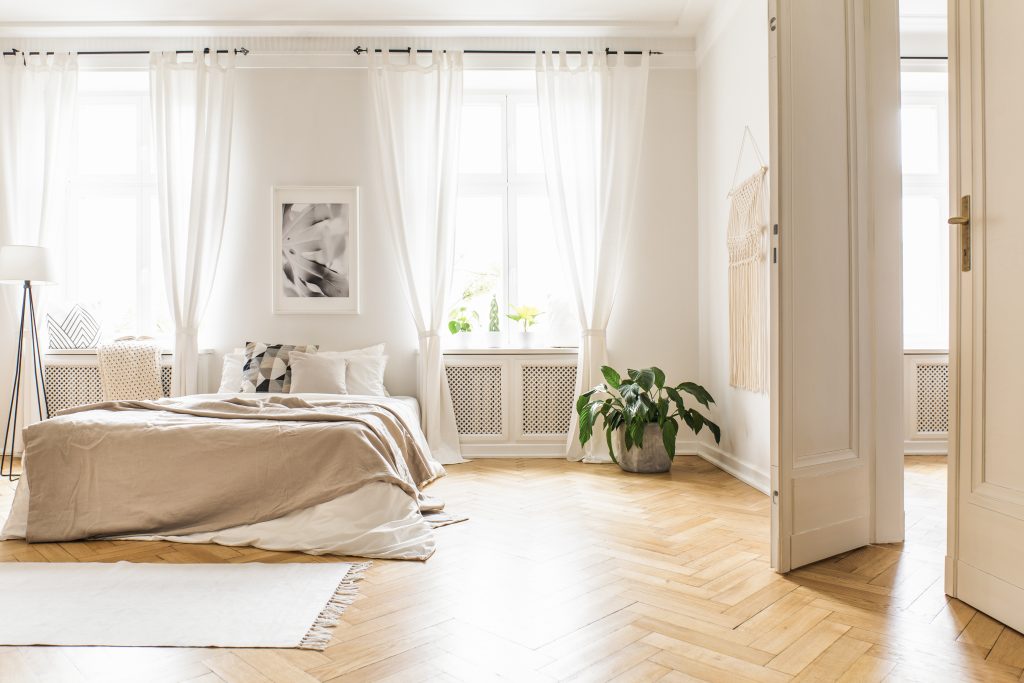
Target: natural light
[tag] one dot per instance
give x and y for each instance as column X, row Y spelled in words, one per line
column 925, row 206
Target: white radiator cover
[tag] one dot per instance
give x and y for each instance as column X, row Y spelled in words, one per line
column 926, row 403
column 512, row 404
column 73, row 378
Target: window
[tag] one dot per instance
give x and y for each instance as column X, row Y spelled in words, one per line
column 925, row 153
column 111, row 261
column 505, row 251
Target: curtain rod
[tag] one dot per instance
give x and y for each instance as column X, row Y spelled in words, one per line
column 359, row 49
column 206, row 51
column 912, row 57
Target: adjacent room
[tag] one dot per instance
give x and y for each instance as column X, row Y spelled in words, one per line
column 472, row 341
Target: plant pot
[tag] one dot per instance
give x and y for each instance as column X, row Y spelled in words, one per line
column 648, row 459
column 460, row 340
column 492, row 340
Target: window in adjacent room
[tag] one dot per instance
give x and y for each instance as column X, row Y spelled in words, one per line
column 506, row 260
column 111, row 263
column 925, row 134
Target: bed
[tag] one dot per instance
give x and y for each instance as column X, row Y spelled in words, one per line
column 316, row 473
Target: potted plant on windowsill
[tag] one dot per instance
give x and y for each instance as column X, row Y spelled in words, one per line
column 460, row 324
column 640, row 416
column 527, row 315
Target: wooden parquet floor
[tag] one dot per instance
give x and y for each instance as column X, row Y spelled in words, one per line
column 580, row 572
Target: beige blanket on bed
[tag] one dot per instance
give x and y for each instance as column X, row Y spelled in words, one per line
column 178, row 466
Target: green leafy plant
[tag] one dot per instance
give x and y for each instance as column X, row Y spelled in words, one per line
column 640, row 399
column 461, row 319
column 494, row 324
column 527, row 315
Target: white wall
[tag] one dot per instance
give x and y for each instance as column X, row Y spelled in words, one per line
column 732, row 81
column 312, row 126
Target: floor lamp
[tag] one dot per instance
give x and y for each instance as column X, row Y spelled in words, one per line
column 26, row 266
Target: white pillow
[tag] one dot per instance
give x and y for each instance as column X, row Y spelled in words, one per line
column 315, row 373
column 375, row 350
column 365, row 375
column 231, row 372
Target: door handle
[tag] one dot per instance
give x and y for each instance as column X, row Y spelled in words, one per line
column 964, row 221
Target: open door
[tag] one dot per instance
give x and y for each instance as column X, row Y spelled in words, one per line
column 835, row 218
column 985, row 564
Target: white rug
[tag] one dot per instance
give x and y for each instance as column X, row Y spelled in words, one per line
column 183, row 605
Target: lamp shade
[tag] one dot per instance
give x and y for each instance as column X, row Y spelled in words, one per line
column 20, row 262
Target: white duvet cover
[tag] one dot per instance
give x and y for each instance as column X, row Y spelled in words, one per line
column 378, row 520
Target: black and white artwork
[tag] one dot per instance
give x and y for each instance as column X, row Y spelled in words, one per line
column 316, row 256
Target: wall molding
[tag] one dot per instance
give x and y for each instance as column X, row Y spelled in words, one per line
column 721, row 459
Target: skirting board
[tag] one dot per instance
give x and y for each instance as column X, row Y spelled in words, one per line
column 925, row 447
column 714, row 455
column 726, row 462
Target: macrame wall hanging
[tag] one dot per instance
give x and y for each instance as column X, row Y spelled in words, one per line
column 747, row 237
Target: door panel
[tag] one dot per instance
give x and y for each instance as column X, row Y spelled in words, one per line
column 987, row 514
column 824, row 334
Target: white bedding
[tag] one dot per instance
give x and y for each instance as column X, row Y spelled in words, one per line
column 378, row 520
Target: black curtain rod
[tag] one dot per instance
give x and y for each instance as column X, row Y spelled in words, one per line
column 608, row 51
column 206, row 50
column 942, row 58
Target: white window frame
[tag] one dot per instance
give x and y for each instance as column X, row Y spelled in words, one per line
column 509, row 185
column 142, row 185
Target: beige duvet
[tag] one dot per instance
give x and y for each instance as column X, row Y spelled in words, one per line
column 179, row 466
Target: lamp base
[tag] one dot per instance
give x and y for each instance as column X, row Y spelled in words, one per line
column 28, row 311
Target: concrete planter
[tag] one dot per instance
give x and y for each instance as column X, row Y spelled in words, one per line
column 648, row 459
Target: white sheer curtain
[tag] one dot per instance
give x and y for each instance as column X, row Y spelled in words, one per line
column 192, row 97
column 592, row 122
column 418, row 109
column 37, row 108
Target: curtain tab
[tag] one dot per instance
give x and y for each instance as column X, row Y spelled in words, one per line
column 587, row 334
column 429, row 335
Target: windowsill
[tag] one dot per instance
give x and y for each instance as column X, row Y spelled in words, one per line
column 92, row 352
column 926, row 352
column 510, row 351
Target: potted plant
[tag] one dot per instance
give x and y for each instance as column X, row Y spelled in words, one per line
column 641, row 415
column 460, row 323
column 493, row 324
column 527, row 315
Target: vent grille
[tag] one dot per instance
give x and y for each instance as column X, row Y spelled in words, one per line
column 932, row 398
column 476, row 397
column 69, row 386
column 548, row 397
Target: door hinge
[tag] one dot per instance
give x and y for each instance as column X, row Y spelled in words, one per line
column 964, row 221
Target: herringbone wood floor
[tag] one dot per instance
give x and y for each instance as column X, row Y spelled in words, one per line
column 569, row 571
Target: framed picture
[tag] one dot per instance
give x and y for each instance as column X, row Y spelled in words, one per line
column 316, row 250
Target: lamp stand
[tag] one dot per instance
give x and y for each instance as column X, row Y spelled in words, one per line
column 28, row 307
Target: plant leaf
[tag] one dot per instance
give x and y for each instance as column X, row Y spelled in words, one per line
column 676, row 398
column 645, row 378
column 668, row 437
column 698, row 392
column 584, row 399
column 611, row 451
column 715, row 430
column 659, row 377
column 611, row 377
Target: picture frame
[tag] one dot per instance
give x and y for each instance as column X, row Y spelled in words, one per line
column 315, row 250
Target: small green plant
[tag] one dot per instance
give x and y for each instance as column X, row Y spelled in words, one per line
column 640, row 399
column 527, row 315
column 494, row 324
column 461, row 319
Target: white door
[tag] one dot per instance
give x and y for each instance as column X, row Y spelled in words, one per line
column 825, row 297
column 985, row 566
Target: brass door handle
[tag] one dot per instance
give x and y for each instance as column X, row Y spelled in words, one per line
column 964, row 221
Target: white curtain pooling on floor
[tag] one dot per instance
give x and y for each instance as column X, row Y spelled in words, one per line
column 591, row 121
column 192, row 98
column 37, row 109
column 418, row 110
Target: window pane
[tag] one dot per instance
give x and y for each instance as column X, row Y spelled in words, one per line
column 107, row 268
column 482, row 144
column 479, row 260
column 920, row 139
column 529, row 155
column 540, row 276
column 108, row 141
column 925, row 274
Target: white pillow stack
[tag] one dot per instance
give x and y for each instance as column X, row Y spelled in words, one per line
column 358, row 372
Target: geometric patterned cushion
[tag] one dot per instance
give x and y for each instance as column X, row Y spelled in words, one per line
column 267, row 367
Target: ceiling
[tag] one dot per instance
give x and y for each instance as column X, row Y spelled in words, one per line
column 677, row 18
